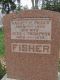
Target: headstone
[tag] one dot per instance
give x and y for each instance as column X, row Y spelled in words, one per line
column 32, row 42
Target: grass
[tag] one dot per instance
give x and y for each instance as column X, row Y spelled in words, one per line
column 1, row 42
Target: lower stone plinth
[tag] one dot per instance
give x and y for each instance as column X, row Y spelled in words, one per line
column 5, row 77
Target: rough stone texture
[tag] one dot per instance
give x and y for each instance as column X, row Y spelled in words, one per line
column 33, row 66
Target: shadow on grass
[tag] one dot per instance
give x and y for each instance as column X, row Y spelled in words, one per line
column 2, row 71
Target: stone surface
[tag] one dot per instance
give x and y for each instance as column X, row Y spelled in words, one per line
column 58, row 76
column 34, row 55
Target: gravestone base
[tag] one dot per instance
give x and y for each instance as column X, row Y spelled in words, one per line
column 5, row 78
column 9, row 79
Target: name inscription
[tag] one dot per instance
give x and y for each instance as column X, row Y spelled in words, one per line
column 31, row 29
column 30, row 48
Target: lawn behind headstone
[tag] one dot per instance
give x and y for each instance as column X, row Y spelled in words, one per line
column 1, row 42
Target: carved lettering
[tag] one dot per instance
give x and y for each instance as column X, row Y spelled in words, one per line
column 31, row 48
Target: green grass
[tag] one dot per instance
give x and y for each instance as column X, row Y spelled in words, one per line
column 1, row 42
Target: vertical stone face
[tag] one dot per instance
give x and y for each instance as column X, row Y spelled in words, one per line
column 32, row 42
